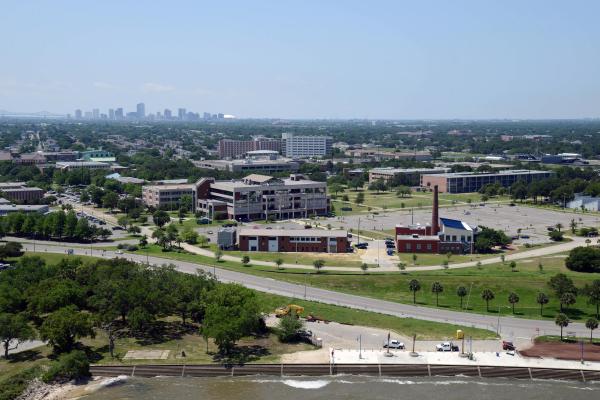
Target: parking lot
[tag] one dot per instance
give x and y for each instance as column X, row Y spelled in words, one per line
column 532, row 222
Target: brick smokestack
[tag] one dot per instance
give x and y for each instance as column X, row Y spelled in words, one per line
column 435, row 217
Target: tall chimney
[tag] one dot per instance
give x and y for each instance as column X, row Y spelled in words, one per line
column 435, row 218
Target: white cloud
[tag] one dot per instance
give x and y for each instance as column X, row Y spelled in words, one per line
column 103, row 85
column 151, row 87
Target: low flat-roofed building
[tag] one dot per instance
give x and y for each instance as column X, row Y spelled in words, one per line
column 71, row 165
column 98, row 155
column 11, row 208
column 403, row 176
column 30, row 159
column 293, row 240
column 18, row 192
column 466, row 182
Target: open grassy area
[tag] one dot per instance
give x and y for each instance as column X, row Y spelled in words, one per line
column 330, row 259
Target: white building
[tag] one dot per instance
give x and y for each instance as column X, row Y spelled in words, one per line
column 588, row 203
column 305, row 146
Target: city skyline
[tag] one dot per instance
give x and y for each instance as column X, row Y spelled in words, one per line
column 120, row 113
column 387, row 60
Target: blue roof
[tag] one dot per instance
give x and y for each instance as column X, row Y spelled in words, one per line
column 453, row 223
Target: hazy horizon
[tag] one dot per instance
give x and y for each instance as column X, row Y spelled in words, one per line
column 435, row 60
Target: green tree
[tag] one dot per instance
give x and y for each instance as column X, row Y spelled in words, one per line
column 591, row 324
column 63, row 327
column 123, row 221
column 278, row 262
column 245, row 260
column 402, row 266
column 73, row 365
column 487, row 295
column 414, row 286
column 513, row 299
column 318, row 264
column 360, row 198
column 561, row 284
column 143, row 241
column 567, row 299
column 592, row 291
column 364, row 267
column 14, row 330
column 288, row 328
column 171, row 234
column 584, row 259
column 232, row 312
column 414, row 259
column 160, row 218
column 513, row 266
column 437, row 288
column 110, row 200
column 461, row 292
column 218, row 255
column 70, row 224
column 563, row 321
column 542, row 299
column 186, row 202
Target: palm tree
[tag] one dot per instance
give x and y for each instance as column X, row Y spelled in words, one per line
column 563, row 321
column 487, row 295
column 591, row 324
column 541, row 300
column 437, row 288
column 558, row 226
column 461, row 292
column 573, row 225
column 513, row 299
column 402, row 266
column 364, row 267
column 414, row 286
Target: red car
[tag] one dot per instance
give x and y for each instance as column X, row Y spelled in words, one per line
column 507, row 345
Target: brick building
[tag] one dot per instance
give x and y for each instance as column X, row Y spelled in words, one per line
column 18, row 192
column 167, row 196
column 228, row 148
column 298, row 240
column 466, row 182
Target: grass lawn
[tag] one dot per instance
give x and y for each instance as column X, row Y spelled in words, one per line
column 527, row 281
column 331, row 260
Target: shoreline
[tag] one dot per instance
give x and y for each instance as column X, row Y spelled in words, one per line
column 38, row 390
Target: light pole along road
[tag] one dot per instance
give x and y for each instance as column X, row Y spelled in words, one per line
column 509, row 327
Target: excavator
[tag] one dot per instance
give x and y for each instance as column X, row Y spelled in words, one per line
column 283, row 311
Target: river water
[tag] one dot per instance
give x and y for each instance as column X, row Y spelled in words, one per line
column 344, row 387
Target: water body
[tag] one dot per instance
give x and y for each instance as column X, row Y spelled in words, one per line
column 344, row 387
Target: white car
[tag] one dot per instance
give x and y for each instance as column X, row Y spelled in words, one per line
column 394, row 344
column 446, row 346
column 118, row 252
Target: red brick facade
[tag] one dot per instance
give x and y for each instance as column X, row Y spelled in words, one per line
column 288, row 244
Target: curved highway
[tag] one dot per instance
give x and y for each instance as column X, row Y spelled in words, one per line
column 508, row 327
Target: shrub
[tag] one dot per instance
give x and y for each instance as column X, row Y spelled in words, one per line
column 132, row 247
column 584, row 259
column 73, row 365
column 121, row 246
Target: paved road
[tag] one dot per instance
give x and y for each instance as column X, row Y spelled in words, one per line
column 508, row 327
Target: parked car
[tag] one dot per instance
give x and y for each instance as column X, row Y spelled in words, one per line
column 394, row 344
column 524, row 236
column 446, row 346
column 390, row 252
column 119, row 252
column 508, row 346
column 362, row 245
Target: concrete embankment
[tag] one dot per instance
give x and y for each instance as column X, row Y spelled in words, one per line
column 392, row 370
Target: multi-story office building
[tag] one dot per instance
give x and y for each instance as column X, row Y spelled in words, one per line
column 259, row 197
column 97, row 155
column 181, row 113
column 404, row 176
column 141, row 110
column 119, row 113
column 71, row 165
column 305, row 146
column 167, row 114
column 96, row 113
column 18, row 192
column 166, row 196
column 259, row 161
column 465, row 182
column 229, row 148
column 78, row 114
column 111, row 113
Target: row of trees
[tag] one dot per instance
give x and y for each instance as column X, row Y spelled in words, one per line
column 563, row 287
column 63, row 303
column 57, row 225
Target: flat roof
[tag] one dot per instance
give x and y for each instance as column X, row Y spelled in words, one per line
column 499, row 173
column 23, row 207
column 391, row 170
column 11, row 184
column 237, row 184
column 417, row 237
column 189, row 186
column 292, row 232
column 21, row 189
column 78, row 163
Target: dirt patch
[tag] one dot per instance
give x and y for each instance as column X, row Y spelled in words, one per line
column 563, row 351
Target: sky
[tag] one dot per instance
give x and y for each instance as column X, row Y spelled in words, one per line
column 305, row 59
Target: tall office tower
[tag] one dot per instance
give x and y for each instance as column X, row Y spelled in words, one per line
column 220, row 115
column 206, row 115
column 141, row 110
column 88, row 115
column 167, row 113
column 78, row 114
column 95, row 113
column 111, row 113
column 119, row 113
column 158, row 115
column 181, row 113
column 293, row 146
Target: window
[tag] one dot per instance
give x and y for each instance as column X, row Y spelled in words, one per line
column 408, row 246
column 418, row 246
column 462, row 238
column 454, row 238
column 428, row 246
